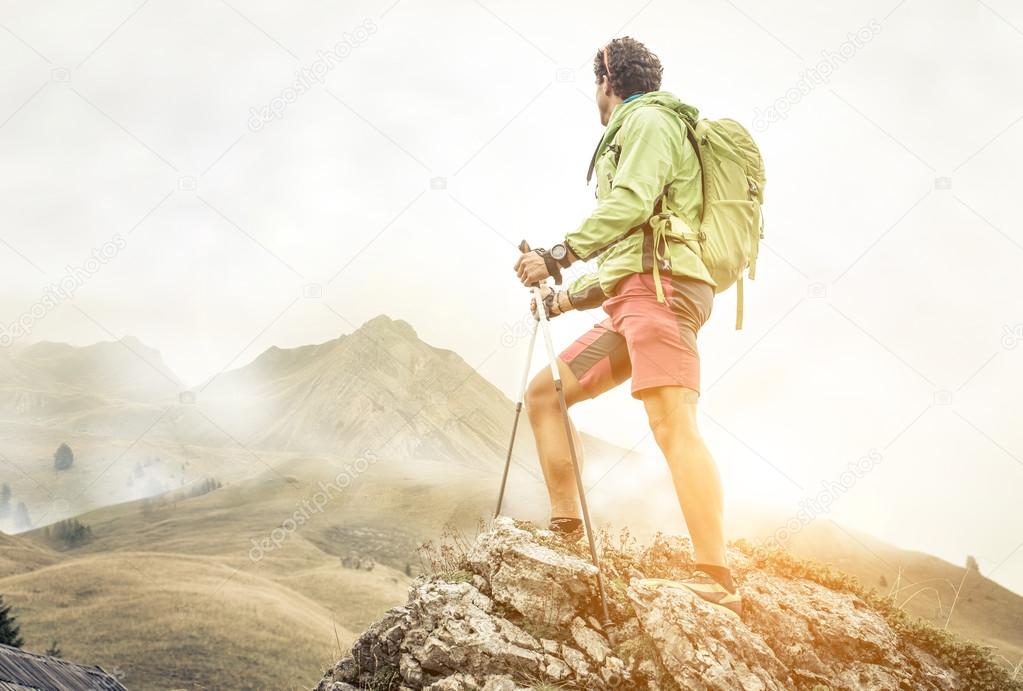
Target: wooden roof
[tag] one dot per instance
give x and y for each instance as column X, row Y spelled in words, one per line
column 24, row 671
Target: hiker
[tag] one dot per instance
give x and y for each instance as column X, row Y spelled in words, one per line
column 654, row 286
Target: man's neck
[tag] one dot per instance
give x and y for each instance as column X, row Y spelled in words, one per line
column 617, row 101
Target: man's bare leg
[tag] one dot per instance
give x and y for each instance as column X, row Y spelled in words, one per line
column 544, row 411
column 671, row 411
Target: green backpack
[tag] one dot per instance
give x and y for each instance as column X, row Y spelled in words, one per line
column 728, row 238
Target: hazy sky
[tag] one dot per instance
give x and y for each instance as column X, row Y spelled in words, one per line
column 885, row 317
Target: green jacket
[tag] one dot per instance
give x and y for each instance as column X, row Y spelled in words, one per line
column 644, row 149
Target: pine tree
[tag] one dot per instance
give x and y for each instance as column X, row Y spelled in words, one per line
column 71, row 532
column 8, row 628
column 5, row 500
column 63, row 457
column 54, row 650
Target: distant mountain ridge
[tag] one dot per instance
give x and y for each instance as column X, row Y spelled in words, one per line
column 136, row 432
column 47, row 378
column 378, row 388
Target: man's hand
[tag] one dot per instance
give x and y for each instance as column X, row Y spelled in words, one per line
column 555, row 302
column 531, row 268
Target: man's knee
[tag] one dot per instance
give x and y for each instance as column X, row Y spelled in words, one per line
column 542, row 397
column 672, row 415
column 540, row 394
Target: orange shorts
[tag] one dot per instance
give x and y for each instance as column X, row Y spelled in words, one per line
column 652, row 342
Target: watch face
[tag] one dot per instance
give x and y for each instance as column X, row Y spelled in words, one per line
column 558, row 252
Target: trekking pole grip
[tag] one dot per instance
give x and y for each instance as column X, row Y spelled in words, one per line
column 524, row 248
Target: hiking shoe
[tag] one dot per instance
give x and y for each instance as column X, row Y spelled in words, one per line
column 567, row 528
column 706, row 587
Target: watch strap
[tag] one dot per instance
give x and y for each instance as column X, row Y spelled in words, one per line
column 553, row 268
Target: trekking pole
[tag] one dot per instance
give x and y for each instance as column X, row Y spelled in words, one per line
column 544, row 325
column 515, row 424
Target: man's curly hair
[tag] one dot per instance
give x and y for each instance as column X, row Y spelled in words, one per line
column 633, row 68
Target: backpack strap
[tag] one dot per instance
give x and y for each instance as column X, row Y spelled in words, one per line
column 738, row 303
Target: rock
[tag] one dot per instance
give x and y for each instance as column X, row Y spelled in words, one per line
column 452, row 629
column 502, row 683
column 830, row 635
column 556, row 669
column 525, row 619
column 591, row 642
column 455, row 682
column 576, row 660
column 410, row 670
column 378, row 646
column 615, row 672
column 529, row 577
column 703, row 648
column 341, row 676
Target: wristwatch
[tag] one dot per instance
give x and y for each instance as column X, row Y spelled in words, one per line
column 560, row 254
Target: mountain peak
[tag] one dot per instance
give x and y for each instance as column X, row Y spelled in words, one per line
column 384, row 325
column 517, row 610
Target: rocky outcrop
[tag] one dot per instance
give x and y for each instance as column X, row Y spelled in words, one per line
column 519, row 613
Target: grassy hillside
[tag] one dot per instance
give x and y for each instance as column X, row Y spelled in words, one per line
column 18, row 555
column 168, row 591
column 169, row 621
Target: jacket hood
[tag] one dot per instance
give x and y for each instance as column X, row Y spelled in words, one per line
column 663, row 99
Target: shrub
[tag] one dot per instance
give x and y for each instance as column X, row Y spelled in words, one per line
column 208, row 485
column 70, row 533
